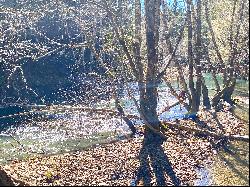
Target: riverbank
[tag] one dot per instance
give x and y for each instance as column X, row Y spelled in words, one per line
column 231, row 166
column 116, row 163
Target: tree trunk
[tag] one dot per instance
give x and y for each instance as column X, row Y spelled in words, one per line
column 152, row 141
column 194, row 101
column 198, row 49
column 137, row 51
column 206, row 100
column 212, row 34
column 227, row 95
column 215, row 80
column 149, row 104
column 5, row 180
column 213, row 70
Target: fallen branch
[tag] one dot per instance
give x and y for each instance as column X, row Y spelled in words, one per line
column 174, row 93
column 169, row 107
column 124, row 117
column 244, row 138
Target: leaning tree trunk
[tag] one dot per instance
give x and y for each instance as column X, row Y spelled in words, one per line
column 228, row 79
column 224, row 94
column 7, row 180
column 227, row 96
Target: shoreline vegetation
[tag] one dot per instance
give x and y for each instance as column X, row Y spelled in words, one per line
column 116, row 162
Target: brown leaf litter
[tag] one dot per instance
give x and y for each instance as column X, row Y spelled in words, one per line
column 116, row 163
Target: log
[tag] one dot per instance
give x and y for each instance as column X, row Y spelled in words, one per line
column 244, row 138
column 169, row 107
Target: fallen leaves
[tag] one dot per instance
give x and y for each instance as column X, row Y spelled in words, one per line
column 116, row 163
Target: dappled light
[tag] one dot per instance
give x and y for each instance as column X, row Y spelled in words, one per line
column 124, row 92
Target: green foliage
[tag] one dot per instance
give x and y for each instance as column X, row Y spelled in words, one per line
column 221, row 13
column 48, row 174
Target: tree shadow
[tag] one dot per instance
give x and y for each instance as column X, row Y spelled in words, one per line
column 204, row 125
column 229, row 149
column 5, row 179
column 152, row 156
column 241, row 107
column 231, row 165
column 229, row 155
column 243, row 110
column 215, row 117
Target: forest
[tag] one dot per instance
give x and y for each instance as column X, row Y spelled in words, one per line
column 124, row 92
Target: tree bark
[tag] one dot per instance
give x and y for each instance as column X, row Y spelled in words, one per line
column 210, row 27
column 194, row 95
column 6, row 180
column 137, row 50
column 152, row 32
column 206, row 100
column 198, row 49
column 227, row 95
column 223, row 94
column 213, row 70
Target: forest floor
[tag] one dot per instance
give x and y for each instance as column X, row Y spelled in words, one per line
column 116, row 163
